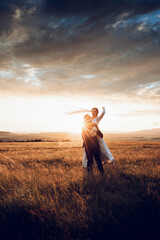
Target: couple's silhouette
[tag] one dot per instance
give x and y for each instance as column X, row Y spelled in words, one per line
column 95, row 150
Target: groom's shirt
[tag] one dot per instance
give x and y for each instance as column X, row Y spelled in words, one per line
column 90, row 134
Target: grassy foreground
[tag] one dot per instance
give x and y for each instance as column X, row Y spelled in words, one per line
column 44, row 193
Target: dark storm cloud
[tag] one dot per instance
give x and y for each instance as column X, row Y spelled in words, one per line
column 6, row 13
column 74, row 7
column 80, row 47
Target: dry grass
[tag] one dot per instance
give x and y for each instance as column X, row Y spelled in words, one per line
column 44, row 193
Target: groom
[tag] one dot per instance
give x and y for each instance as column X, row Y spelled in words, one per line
column 90, row 134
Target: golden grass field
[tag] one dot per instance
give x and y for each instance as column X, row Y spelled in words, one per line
column 45, row 194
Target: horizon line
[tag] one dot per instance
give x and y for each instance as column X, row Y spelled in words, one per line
column 5, row 131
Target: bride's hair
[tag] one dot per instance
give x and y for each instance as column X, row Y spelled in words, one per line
column 95, row 109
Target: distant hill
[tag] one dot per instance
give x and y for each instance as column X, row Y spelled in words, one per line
column 37, row 137
column 147, row 132
column 148, row 135
column 143, row 135
column 4, row 132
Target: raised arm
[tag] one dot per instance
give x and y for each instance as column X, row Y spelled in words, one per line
column 101, row 115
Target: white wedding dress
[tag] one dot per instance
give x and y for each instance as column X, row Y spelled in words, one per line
column 105, row 154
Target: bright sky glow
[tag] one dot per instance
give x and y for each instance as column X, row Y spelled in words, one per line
column 49, row 114
column 65, row 56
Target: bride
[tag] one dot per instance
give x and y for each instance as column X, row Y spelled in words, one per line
column 105, row 154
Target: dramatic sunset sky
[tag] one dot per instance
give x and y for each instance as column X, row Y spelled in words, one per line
column 60, row 56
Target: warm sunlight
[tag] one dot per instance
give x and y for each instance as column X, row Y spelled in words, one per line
column 61, row 175
column 55, row 114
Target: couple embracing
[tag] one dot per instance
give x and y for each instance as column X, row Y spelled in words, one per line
column 95, row 150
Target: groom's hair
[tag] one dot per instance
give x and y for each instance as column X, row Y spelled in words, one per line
column 95, row 109
column 87, row 118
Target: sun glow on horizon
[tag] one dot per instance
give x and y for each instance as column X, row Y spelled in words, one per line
column 50, row 114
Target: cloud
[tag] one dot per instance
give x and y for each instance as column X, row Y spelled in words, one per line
column 149, row 112
column 78, row 111
column 74, row 7
column 64, row 42
column 156, row 124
